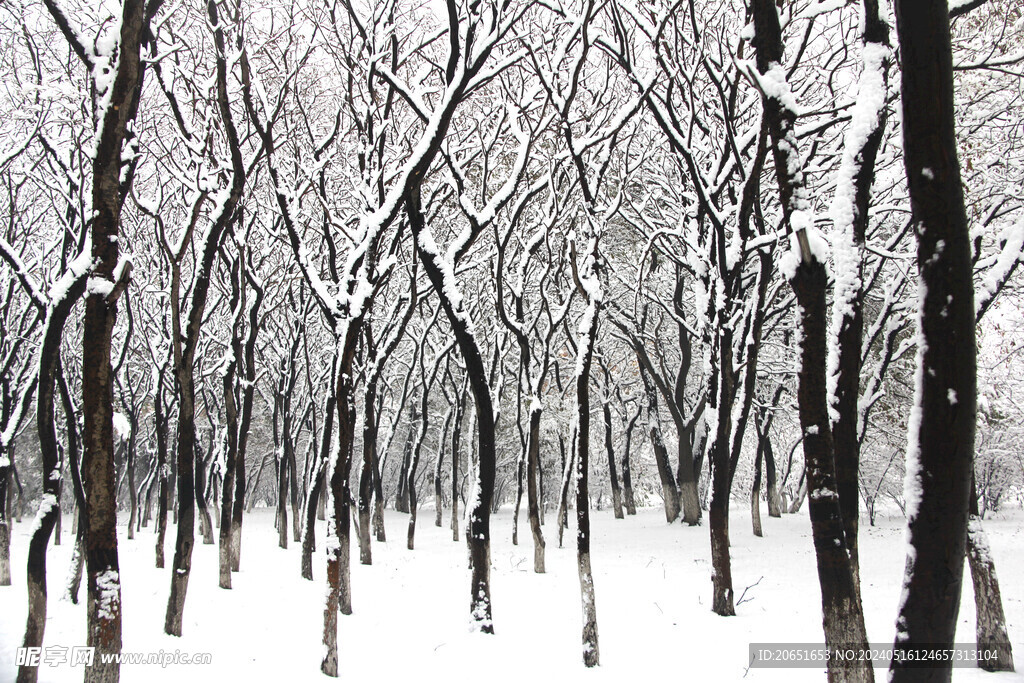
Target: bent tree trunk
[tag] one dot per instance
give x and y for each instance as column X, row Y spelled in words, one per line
column 988, row 601
column 479, row 531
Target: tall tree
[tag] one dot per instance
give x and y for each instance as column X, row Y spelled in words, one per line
column 941, row 431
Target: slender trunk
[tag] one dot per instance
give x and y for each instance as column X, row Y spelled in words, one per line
column 563, row 500
column 532, row 498
column 627, row 474
column 755, row 495
column 294, row 483
column 610, row 448
column 520, row 476
column 5, row 521
column 775, row 506
column 587, row 339
column 133, row 499
column 402, row 497
column 74, row 581
column 858, row 171
column 163, row 492
column 50, row 455
column 366, row 474
column 460, row 412
column 282, row 501
column 669, row 491
column 205, row 524
column 228, row 484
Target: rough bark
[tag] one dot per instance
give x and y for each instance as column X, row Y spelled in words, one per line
column 990, row 620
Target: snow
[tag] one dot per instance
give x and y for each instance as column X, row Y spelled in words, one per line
column 108, row 585
column 410, row 607
column 122, row 426
column 99, row 286
column 1000, row 266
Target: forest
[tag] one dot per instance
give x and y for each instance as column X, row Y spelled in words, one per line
column 506, row 268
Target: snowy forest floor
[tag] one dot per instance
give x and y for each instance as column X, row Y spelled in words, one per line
column 411, row 607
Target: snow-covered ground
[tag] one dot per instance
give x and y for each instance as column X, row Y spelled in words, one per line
column 411, row 607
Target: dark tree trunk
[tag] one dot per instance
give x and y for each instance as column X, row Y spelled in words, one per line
column 563, row 497
column 460, row 413
column 316, row 491
column 755, row 496
column 840, row 598
column 842, row 613
column 164, row 492
column 588, row 336
column 669, row 490
column 532, row 480
column 764, row 446
column 610, row 448
column 627, row 474
column 941, row 444
column 339, row 597
column 185, row 342
column 402, row 497
column 231, row 417
column 50, row 455
column 479, row 527
column 848, row 311
column 721, row 391
column 205, row 523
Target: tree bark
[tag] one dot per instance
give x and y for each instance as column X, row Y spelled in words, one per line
column 941, row 443
column 610, row 449
column 990, row 620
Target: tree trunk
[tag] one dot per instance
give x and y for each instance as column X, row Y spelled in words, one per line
column 755, row 496
column 610, row 448
column 990, row 618
column 479, row 531
column 669, row 491
column 941, row 437
column 5, row 521
column 532, row 498
column 840, row 598
column 339, row 597
column 205, row 524
column 460, row 412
